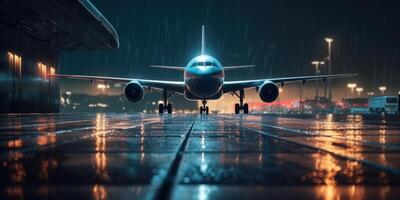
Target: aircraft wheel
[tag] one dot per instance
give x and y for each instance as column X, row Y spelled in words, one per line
column 160, row 108
column 169, row 108
column 246, row 108
column 207, row 110
column 237, row 108
column 201, row 109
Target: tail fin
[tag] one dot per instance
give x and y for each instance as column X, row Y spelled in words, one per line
column 203, row 42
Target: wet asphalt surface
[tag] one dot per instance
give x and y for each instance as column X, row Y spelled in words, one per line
column 117, row 156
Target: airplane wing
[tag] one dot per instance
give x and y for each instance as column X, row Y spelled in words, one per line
column 237, row 67
column 168, row 67
column 231, row 86
column 176, row 86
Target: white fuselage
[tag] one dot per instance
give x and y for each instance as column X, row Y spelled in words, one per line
column 204, row 77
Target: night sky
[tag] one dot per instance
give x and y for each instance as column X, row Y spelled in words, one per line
column 280, row 37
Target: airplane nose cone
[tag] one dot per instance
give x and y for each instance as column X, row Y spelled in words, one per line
column 204, row 84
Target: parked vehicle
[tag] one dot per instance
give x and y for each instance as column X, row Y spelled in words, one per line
column 383, row 104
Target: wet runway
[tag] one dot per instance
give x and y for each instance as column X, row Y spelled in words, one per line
column 110, row 156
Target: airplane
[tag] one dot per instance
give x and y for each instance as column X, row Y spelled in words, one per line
column 203, row 80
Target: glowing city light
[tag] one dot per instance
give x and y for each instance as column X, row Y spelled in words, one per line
column 42, row 70
column 351, row 85
column 382, row 89
column 52, row 70
column 317, row 62
column 359, row 90
column 329, row 40
column 102, row 86
column 15, row 62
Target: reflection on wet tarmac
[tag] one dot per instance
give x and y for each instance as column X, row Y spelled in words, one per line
column 100, row 157
column 112, row 156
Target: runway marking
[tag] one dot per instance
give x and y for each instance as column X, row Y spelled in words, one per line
column 338, row 154
column 311, row 133
column 165, row 188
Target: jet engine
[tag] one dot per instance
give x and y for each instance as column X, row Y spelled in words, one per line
column 134, row 91
column 268, row 91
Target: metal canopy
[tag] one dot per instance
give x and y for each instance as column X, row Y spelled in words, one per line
column 60, row 24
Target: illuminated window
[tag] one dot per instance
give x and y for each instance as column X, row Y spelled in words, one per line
column 52, row 70
column 42, row 70
column 15, row 62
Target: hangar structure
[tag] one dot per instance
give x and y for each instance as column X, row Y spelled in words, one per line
column 32, row 35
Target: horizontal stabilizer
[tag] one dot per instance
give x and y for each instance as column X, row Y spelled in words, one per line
column 237, row 67
column 168, row 67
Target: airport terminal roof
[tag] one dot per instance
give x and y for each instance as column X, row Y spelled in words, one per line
column 65, row 24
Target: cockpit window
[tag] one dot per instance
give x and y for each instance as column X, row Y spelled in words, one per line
column 202, row 64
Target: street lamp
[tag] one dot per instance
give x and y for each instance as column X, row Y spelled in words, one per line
column 359, row 90
column 370, row 93
column 382, row 89
column 351, row 86
column 329, row 41
column 317, row 72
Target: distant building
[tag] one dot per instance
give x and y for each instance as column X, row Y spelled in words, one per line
column 32, row 35
column 352, row 106
column 320, row 105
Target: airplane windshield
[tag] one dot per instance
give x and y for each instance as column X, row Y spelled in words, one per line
column 202, row 64
column 208, row 64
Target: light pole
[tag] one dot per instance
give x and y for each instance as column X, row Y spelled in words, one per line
column 329, row 41
column 317, row 71
column 359, row 90
column 382, row 89
column 351, row 86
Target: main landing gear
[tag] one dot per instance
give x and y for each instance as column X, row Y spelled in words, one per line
column 204, row 108
column 240, row 106
column 165, row 106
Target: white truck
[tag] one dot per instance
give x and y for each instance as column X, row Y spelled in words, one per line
column 383, row 104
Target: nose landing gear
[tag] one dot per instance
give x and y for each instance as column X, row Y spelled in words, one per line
column 204, row 108
column 241, row 105
column 165, row 106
